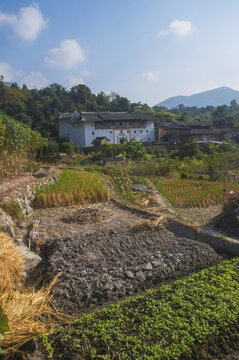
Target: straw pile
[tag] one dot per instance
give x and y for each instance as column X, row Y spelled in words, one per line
column 149, row 225
column 29, row 312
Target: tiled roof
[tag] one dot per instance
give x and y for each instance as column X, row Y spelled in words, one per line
column 107, row 116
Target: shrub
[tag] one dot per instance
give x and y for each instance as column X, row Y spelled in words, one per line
column 77, row 149
column 3, row 328
column 18, row 145
column 13, row 209
column 52, row 148
column 67, row 147
column 134, row 149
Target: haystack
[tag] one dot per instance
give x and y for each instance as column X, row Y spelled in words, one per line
column 29, row 312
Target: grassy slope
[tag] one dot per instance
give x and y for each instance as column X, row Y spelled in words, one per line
column 164, row 324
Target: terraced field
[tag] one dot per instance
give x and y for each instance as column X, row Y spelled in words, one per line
column 195, row 318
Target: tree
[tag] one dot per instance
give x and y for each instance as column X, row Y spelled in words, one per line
column 80, row 94
column 103, row 101
column 219, row 113
column 134, row 149
column 119, row 103
column 189, row 150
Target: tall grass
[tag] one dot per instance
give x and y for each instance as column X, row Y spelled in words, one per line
column 73, row 187
column 192, row 193
column 29, row 312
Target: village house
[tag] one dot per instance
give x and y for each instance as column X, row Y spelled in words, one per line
column 184, row 132
column 88, row 128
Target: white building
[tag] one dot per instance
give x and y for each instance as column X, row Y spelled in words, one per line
column 83, row 128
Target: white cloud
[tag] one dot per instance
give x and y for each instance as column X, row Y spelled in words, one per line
column 66, row 56
column 27, row 24
column 178, row 28
column 150, row 75
column 75, row 81
column 35, row 80
column 6, row 71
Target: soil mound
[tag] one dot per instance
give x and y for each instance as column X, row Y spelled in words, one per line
column 228, row 223
column 104, row 266
column 86, row 216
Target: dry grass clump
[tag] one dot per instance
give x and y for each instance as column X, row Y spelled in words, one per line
column 149, row 225
column 150, row 199
column 73, row 187
column 11, row 265
column 29, row 312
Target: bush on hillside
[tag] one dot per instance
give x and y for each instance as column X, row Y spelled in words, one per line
column 67, row 147
column 18, row 146
column 51, row 149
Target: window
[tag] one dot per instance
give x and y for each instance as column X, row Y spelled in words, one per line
column 93, row 133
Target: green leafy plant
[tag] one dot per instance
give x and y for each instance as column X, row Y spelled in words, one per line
column 3, row 328
column 13, row 209
column 165, row 324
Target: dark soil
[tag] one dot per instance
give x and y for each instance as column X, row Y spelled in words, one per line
column 105, row 266
column 228, row 223
column 86, row 216
column 224, row 346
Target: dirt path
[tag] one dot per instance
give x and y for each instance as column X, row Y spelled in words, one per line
column 198, row 216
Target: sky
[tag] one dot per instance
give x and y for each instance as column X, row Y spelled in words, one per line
column 146, row 50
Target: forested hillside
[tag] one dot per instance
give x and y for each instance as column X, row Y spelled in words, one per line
column 40, row 109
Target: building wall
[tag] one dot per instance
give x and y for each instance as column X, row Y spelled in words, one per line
column 74, row 132
column 84, row 133
column 162, row 131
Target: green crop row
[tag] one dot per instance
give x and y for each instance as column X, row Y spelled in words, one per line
column 162, row 324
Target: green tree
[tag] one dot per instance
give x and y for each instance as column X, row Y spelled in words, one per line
column 134, row 149
column 80, row 94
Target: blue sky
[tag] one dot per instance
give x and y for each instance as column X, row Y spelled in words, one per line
column 146, row 50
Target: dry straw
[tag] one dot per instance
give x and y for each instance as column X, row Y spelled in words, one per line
column 29, row 312
column 150, row 225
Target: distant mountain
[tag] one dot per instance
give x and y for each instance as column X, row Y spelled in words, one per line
column 220, row 96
